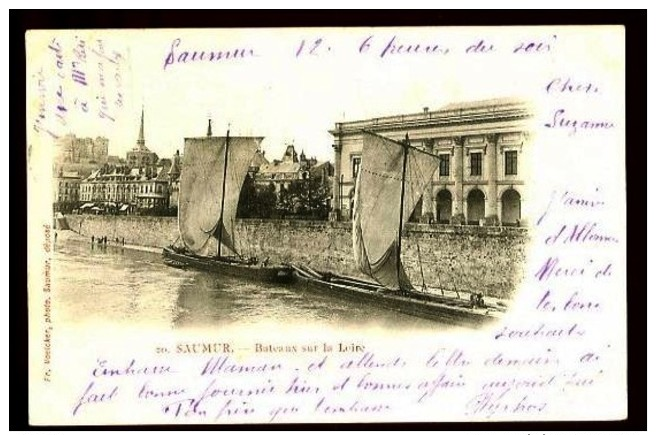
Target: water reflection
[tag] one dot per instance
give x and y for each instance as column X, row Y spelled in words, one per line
column 114, row 284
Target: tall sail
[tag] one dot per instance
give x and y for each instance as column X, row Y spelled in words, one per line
column 201, row 185
column 378, row 202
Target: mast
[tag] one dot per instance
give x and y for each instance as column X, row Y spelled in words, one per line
column 406, row 144
column 225, row 171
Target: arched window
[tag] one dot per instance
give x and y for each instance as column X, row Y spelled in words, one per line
column 444, row 204
column 511, row 207
column 475, row 206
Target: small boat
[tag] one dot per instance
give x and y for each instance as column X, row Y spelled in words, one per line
column 390, row 183
column 210, row 183
column 444, row 309
column 231, row 266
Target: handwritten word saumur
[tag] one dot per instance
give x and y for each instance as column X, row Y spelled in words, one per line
column 180, row 52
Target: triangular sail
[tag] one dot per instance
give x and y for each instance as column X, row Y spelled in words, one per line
column 201, row 185
column 377, row 206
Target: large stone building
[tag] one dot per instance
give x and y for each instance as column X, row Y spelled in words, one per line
column 73, row 149
column 480, row 146
column 81, row 154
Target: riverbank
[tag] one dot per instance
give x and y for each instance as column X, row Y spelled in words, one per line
column 72, row 236
column 488, row 260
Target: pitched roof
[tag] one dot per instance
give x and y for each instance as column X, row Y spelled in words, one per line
column 280, row 167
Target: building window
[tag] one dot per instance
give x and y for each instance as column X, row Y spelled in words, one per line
column 444, row 165
column 476, row 163
column 511, row 162
column 355, row 165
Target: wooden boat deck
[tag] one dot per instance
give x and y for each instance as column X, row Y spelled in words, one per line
column 448, row 309
column 229, row 266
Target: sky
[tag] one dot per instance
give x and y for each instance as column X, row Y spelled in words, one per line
column 291, row 85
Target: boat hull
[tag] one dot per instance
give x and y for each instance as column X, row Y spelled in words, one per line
column 280, row 274
column 366, row 294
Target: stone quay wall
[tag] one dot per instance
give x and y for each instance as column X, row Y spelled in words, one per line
column 489, row 260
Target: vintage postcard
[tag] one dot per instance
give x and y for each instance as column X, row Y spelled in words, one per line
column 326, row 225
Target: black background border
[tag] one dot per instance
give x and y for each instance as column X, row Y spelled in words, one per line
column 635, row 23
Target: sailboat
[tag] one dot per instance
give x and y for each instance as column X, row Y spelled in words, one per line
column 210, row 183
column 390, row 183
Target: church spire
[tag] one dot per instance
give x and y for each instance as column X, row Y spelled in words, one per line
column 209, row 127
column 141, row 142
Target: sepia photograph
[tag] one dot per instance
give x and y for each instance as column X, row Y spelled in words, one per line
column 326, row 225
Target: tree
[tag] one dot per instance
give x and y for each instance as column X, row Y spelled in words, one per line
column 247, row 198
column 267, row 201
column 317, row 200
column 285, row 202
column 305, row 198
column 256, row 202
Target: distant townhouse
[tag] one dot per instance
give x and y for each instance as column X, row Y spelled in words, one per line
column 280, row 173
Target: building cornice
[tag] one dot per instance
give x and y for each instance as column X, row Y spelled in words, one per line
column 454, row 119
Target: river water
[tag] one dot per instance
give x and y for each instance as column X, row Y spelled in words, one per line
column 119, row 285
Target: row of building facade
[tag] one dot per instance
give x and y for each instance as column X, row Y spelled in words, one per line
column 480, row 179
column 481, row 147
column 143, row 181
